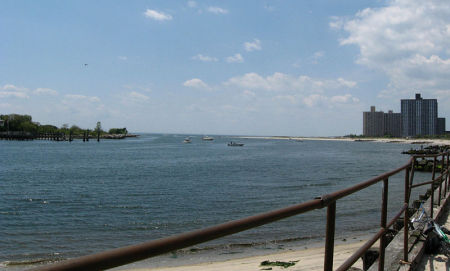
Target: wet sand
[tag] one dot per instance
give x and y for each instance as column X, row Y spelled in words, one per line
column 303, row 260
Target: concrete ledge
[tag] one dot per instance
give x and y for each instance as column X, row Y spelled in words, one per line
column 394, row 251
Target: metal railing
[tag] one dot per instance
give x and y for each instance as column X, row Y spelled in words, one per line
column 129, row 254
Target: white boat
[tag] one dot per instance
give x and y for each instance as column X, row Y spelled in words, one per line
column 235, row 144
column 187, row 140
column 208, row 138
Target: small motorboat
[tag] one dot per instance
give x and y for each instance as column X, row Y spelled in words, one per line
column 208, row 138
column 187, row 140
column 235, row 144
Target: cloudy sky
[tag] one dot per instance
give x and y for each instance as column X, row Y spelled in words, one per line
column 306, row 68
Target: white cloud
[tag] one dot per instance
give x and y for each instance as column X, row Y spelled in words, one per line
column 123, row 58
column 409, row 41
column 13, row 87
column 237, row 58
column 203, row 58
column 140, row 88
column 83, row 98
column 192, row 4
column 314, row 100
column 346, row 83
column 13, row 94
column 157, row 15
column 138, row 96
column 12, row 91
column 285, row 82
column 318, row 100
column 316, row 56
column 347, row 98
column 217, row 10
column 45, row 91
column 336, row 22
column 196, row 83
column 252, row 46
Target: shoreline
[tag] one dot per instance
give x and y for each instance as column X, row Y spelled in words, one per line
column 308, row 258
column 348, row 139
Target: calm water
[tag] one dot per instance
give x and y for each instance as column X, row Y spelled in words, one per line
column 60, row 200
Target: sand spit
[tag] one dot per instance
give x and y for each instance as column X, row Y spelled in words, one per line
column 368, row 139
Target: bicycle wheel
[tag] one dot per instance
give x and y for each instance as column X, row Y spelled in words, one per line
column 444, row 248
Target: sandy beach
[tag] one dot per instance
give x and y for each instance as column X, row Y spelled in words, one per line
column 366, row 139
column 301, row 260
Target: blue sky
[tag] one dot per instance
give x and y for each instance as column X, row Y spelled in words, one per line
column 300, row 68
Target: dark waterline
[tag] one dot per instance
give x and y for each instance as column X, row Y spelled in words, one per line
column 60, row 200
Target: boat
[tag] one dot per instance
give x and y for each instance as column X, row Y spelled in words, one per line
column 208, row 138
column 235, row 144
column 187, row 140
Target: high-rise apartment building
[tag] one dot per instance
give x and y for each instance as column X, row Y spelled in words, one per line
column 382, row 124
column 373, row 123
column 419, row 116
column 441, row 126
column 393, row 124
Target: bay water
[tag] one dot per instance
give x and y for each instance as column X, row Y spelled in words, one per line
column 60, row 200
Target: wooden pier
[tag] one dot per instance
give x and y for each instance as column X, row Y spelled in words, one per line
column 29, row 136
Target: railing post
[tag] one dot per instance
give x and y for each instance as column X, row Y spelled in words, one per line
column 406, row 217
column 441, row 180
column 384, row 205
column 448, row 173
column 329, row 238
column 444, row 170
column 434, row 168
column 411, row 176
column 432, row 187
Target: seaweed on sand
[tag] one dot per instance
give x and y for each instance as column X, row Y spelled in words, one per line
column 278, row 263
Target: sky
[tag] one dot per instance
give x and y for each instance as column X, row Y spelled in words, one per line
column 294, row 68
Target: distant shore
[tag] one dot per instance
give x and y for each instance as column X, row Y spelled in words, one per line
column 366, row 139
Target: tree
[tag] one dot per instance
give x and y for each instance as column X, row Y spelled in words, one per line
column 76, row 130
column 122, row 131
column 98, row 127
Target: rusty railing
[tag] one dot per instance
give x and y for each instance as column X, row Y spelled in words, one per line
column 129, row 254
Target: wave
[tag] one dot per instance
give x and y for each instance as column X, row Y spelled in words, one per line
column 276, row 243
column 30, row 262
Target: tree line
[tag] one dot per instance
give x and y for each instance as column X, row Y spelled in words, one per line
column 24, row 123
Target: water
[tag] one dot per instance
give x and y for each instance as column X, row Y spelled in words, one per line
column 60, row 200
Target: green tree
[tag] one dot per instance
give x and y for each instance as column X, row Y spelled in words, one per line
column 98, row 127
column 122, row 131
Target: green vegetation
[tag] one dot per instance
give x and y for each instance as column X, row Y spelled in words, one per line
column 121, row 131
column 24, row 123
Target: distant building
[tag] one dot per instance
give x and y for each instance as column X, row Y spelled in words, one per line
column 381, row 124
column 393, row 124
column 2, row 123
column 441, row 126
column 419, row 116
column 373, row 123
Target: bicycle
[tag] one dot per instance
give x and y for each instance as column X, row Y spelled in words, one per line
column 437, row 241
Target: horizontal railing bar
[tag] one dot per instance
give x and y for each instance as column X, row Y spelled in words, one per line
column 429, row 182
column 421, row 184
column 328, row 198
column 360, row 252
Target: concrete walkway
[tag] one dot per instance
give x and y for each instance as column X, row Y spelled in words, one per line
column 437, row 262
